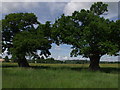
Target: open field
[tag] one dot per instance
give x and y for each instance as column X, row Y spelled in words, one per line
column 59, row 76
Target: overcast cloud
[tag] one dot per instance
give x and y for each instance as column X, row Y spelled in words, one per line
column 55, row 8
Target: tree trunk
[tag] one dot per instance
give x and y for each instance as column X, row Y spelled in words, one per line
column 94, row 62
column 23, row 63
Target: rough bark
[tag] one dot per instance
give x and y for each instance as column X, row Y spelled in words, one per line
column 94, row 62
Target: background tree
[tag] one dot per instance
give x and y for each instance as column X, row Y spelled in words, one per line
column 88, row 33
column 14, row 23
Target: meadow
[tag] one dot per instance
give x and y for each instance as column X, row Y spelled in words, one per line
column 59, row 76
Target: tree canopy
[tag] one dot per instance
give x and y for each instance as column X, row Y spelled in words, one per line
column 89, row 34
column 21, row 38
column 28, row 43
column 14, row 23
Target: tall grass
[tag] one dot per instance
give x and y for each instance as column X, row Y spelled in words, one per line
column 15, row 77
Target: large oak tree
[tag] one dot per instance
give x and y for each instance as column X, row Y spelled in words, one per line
column 90, row 35
column 21, row 38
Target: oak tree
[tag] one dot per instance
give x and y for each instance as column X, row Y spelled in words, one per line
column 14, row 23
column 22, row 38
column 89, row 34
column 28, row 42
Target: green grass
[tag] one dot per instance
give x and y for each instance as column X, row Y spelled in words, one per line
column 58, row 76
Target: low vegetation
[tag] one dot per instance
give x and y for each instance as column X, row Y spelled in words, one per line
column 59, row 76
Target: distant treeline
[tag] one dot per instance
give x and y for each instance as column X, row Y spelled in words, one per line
column 53, row 61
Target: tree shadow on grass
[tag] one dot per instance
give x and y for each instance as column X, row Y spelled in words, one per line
column 40, row 67
column 105, row 70
column 34, row 67
column 50, row 68
column 79, row 68
column 110, row 70
column 8, row 66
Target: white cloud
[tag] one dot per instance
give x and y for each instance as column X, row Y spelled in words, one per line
column 103, row 58
column 76, row 6
column 45, row 11
column 69, row 7
column 58, row 58
column 62, row 58
column 109, row 58
column 65, row 58
column 112, row 10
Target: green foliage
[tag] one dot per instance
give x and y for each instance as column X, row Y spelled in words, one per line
column 115, row 32
column 99, row 8
column 28, row 42
column 46, row 28
column 23, row 39
column 14, row 59
column 76, row 61
column 14, row 23
column 88, row 33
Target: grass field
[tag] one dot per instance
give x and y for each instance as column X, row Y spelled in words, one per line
column 59, row 76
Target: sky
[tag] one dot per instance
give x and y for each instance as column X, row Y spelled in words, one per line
column 50, row 11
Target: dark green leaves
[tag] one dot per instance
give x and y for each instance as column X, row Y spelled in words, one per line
column 28, row 42
column 22, row 38
column 15, row 23
column 99, row 8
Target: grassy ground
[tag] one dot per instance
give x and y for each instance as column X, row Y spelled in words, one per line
column 59, row 76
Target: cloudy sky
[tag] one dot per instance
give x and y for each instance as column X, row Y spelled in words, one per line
column 49, row 11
